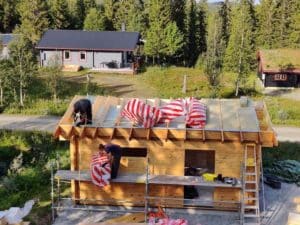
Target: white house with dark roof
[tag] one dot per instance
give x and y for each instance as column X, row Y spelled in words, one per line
column 5, row 39
column 98, row 50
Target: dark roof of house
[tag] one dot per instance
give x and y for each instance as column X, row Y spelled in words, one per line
column 89, row 40
column 279, row 60
column 6, row 38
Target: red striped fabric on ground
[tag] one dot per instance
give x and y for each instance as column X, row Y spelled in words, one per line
column 141, row 114
column 100, row 169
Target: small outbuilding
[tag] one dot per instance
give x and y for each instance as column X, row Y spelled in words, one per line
column 279, row 68
column 109, row 51
column 155, row 160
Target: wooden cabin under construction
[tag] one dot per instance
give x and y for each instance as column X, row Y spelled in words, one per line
column 154, row 160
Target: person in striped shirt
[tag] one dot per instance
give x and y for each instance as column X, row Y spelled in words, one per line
column 114, row 155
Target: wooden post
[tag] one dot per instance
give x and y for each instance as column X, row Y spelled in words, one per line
column 74, row 166
column 184, row 85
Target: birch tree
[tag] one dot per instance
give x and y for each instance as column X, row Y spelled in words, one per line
column 24, row 65
column 240, row 53
column 53, row 75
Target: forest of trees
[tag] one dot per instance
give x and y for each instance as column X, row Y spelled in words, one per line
column 221, row 37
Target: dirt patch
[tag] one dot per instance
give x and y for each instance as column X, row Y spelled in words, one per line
column 284, row 93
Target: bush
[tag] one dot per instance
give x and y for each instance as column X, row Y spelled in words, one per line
column 284, row 151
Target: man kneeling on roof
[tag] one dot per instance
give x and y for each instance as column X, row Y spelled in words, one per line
column 114, row 155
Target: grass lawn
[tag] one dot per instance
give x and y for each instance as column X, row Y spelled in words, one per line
column 169, row 81
column 283, row 111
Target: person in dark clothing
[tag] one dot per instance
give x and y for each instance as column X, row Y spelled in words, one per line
column 114, row 154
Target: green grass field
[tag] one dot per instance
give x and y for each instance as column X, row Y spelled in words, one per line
column 283, row 111
column 165, row 82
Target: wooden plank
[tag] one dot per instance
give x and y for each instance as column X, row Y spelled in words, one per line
column 187, row 180
column 140, row 178
column 100, row 116
column 74, row 165
column 128, row 218
column 130, row 133
column 85, row 176
column 221, row 120
column 123, row 102
column 240, row 127
column 132, row 165
column 97, row 106
column 125, row 194
column 226, row 194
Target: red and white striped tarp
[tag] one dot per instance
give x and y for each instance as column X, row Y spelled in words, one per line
column 193, row 110
column 141, row 114
column 100, row 169
column 196, row 113
column 147, row 116
column 172, row 110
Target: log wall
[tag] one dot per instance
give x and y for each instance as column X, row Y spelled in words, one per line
column 165, row 158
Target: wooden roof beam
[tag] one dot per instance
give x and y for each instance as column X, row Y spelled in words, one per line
column 99, row 119
column 123, row 102
column 130, row 132
column 112, row 133
column 240, row 127
column 167, row 132
column 221, row 121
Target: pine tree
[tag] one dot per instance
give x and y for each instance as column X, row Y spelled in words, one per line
column 191, row 48
column 60, row 17
column 159, row 16
column 282, row 21
column 88, row 4
column 173, row 39
column 294, row 37
column 178, row 13
column 8, row 15
column 161, row 31
column 240, row 53
column 202, row 26
column 110, row 12
column 266, row 24
column 224, row 14
column 80, row 14
column 94, row 20
column 215, row 50
column 72, row 9
column 34, row 19
column 131, row 13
